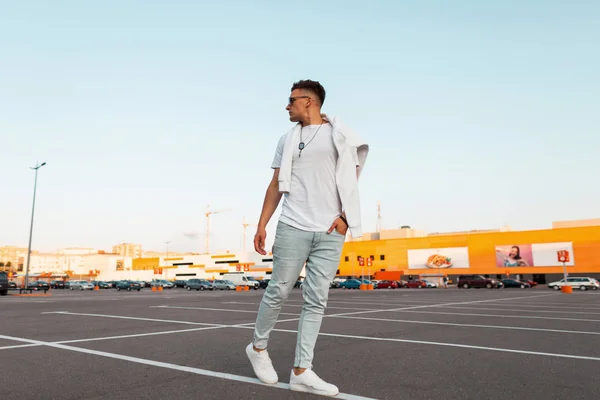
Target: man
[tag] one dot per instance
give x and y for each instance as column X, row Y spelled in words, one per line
column 316, row 168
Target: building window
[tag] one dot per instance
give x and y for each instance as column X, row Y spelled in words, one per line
column 382, row 257
column 346, row 258
column 372, row 258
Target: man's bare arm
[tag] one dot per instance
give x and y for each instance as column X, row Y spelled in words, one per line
column 272, row 199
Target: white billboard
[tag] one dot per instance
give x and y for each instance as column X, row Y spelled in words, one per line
column 442, row 258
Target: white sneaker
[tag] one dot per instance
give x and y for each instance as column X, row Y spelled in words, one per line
column 262, row 365
column 309, row 382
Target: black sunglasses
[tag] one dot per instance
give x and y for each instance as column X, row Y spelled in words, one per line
column 292, row 99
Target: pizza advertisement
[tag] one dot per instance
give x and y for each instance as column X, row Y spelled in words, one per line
column 438, row 259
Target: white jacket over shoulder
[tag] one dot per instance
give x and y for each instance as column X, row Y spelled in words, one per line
column 352, row 155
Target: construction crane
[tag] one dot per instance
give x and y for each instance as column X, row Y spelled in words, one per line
column 246, row 225
column 207, row 214
column 378, row 217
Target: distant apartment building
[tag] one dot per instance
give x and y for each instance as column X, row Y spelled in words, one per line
column 13, row 255
column 100, row 264
column 44, row 263
column 128, row 250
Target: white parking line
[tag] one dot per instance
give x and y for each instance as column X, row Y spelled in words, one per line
column 286, row 304
column 499, row 316
column 521, row 310
column 18, row 346
column 552, row 306
column 171, row 321
column 159, row 364
column 549, row 309
column 517, row 328
column 209, row 325
column 217, row 309
column 464, row 346
column 135, row 335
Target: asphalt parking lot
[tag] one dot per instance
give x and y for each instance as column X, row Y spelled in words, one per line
column 382, row 344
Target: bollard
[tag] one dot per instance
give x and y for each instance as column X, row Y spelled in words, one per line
column 566, row 289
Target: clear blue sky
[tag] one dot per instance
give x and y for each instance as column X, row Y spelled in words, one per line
column 478, row 114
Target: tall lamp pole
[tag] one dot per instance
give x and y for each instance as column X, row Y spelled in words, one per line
column 166, row 270
column 38, row 166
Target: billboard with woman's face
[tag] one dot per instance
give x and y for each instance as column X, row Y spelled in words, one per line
column 532, row 255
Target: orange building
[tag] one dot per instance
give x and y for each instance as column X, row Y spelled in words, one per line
column 495, row 253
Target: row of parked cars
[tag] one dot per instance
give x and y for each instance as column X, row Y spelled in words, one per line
column 383, row 284
column 129, row 285
column 478, row 281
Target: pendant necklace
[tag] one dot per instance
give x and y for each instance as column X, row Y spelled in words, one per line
column 302, row 145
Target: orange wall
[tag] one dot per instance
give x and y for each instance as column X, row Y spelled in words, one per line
column 482, row 253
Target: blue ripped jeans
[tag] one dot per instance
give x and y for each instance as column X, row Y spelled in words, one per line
column 292, row 248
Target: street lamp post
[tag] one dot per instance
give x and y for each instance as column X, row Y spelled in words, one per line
column 166, row 270
column 38, row 166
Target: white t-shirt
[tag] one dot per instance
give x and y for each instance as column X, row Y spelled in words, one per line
column 313, row 202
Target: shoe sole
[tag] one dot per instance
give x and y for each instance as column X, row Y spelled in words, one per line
column 308, row 389
column 248, row 350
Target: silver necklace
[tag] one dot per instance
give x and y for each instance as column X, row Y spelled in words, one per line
column 302, row 145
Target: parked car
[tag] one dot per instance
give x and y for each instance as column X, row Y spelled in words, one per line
column 101, row 284
column 81, row 285
column 419, row 284
column 199, row 284
column 353, row 283
column 386, row 285
column 350, row 284
column 221, row 284
column 12, row 284
column 513, row 283
column 477, row 281
column 57, row 284
column 38, row 285
column 179, row 283
column 3, row 283
column 164, row 283
column 128, row 285
column 581, row 283
column 531, row 283
column 264, row 283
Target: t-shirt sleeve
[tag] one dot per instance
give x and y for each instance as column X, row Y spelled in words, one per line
column 278, row 153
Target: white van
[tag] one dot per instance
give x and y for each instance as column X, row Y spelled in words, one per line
column 241, row 279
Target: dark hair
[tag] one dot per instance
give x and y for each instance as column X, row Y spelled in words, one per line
column 518, row 256
column 312, row 86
